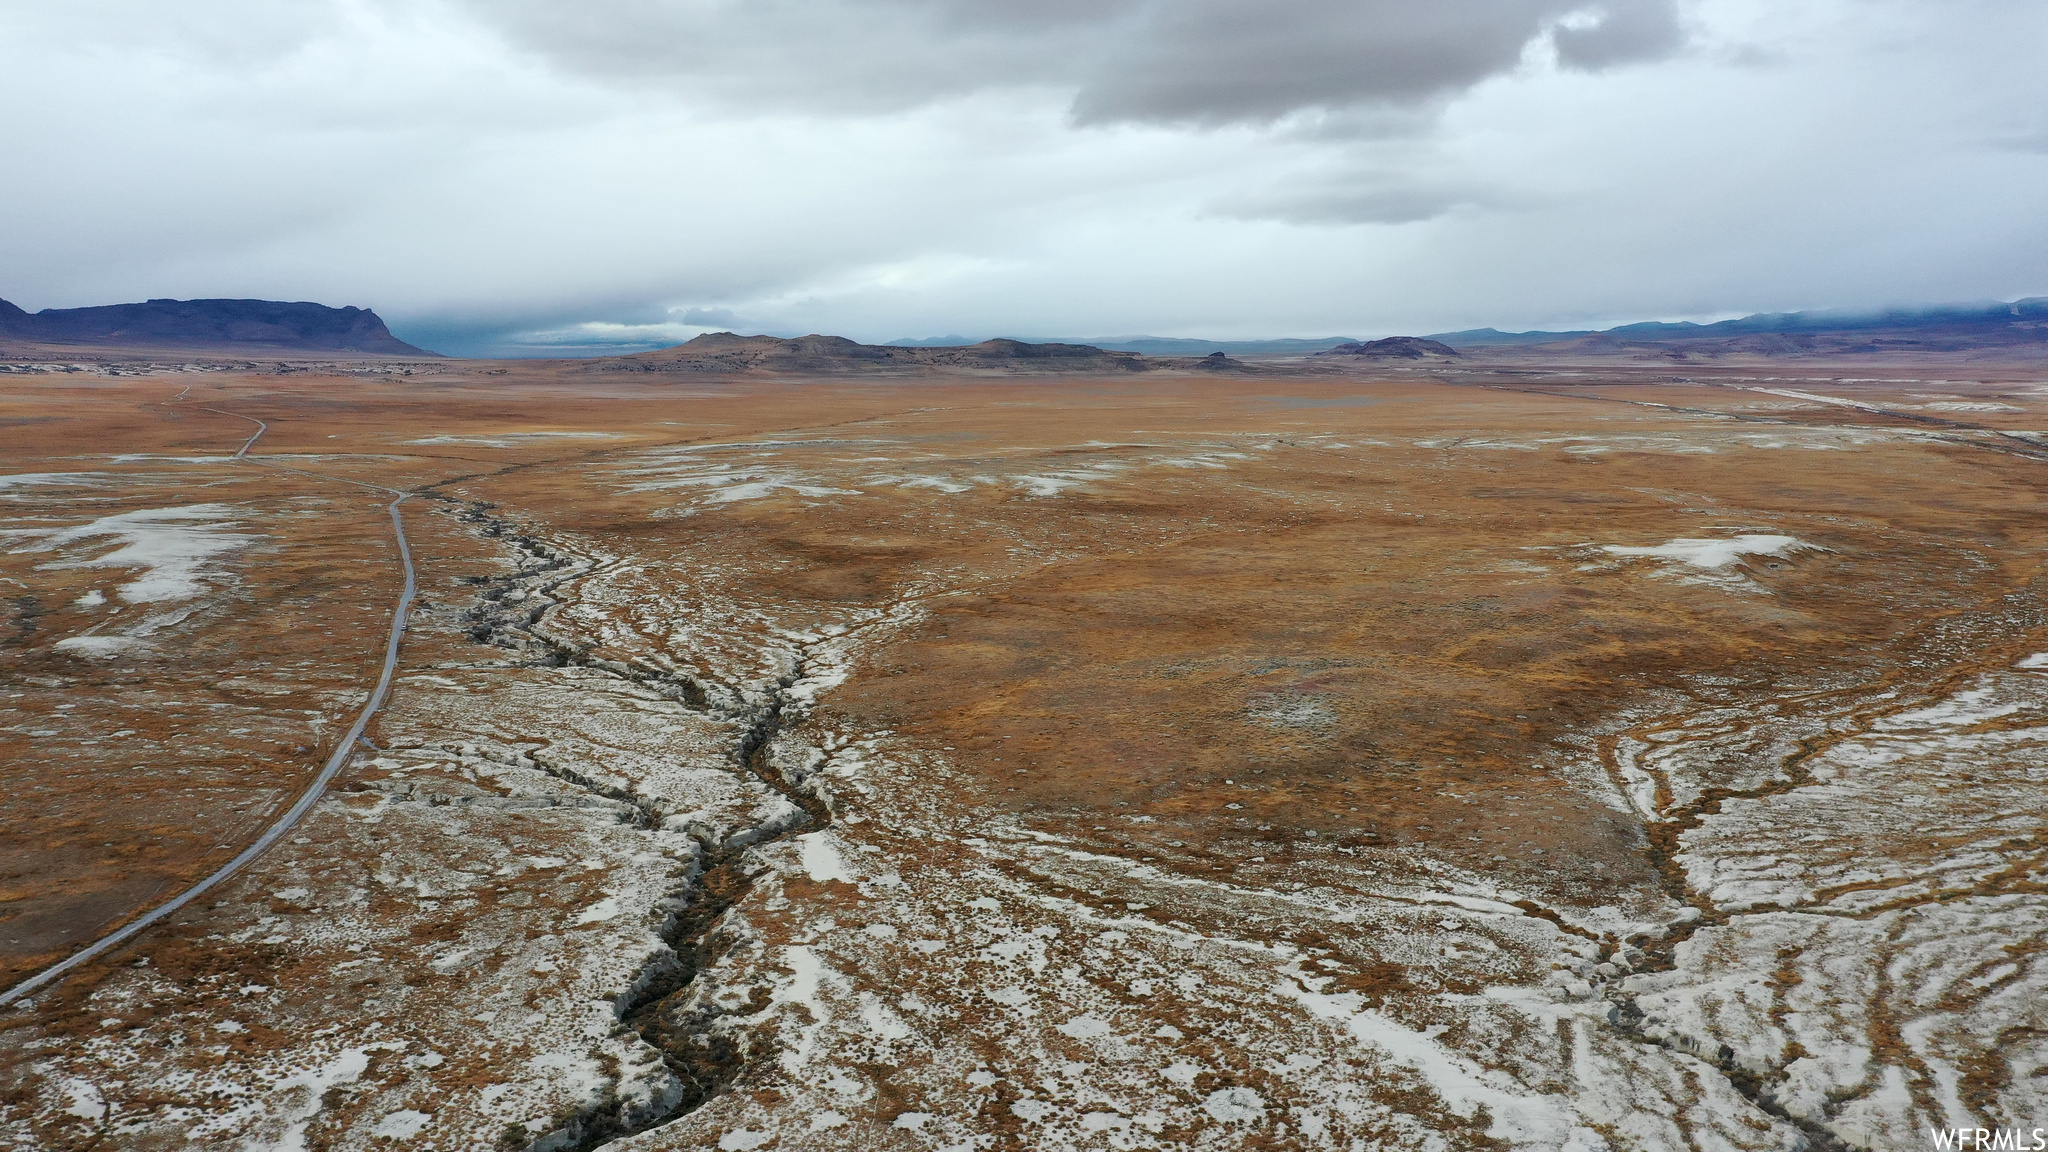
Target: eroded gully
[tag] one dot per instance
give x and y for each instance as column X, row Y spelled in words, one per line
column 1841, row 715
column 1665, row 826
column 658, row 1003
column 659, row 1006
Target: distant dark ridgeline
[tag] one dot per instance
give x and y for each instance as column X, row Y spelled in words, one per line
column 1936, row 328
column 726, row 352
column 1939, row 328
column 248, row 326
column 1161, row 345
column 262, row 327
column 1393, row 348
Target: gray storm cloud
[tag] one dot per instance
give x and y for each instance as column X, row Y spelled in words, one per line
column 1226, row 62
column 1126, row 61
column 1620, row 34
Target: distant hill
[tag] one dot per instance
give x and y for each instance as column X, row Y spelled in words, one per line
column 1393, row 348
column 1484, row 337
column 1175, row 346
column 2013, row 324
column 2022, row 319
column 1163, row 345
column 1938, row 328
column 250, row 326
column 726, row 352
column 950, row 340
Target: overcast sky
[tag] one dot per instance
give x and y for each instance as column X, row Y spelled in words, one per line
column 519, row 174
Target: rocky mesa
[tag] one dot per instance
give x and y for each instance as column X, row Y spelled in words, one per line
column 247, row 326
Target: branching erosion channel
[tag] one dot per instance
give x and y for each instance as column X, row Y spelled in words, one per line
column 664, row 1003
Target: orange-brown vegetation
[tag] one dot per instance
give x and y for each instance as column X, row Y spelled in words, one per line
column 891, row 761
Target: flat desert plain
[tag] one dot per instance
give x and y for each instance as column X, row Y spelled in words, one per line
column 1473, row 757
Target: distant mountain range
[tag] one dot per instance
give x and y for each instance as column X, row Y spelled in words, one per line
column 1935, row 328
column 252, row 326
column 1393, row 348
column 1938, row 327
column 1164, row 345
column 261, row 327
column 726, row 353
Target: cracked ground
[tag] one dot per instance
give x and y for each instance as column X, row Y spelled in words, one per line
column 1459, row 758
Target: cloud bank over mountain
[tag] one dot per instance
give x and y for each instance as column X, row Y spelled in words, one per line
column 529, row 176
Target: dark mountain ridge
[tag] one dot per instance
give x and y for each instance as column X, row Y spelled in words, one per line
column 727, row 352
column 1944, row 327
column 1162, row 345
column 215, row 325
column 1393, row 348
column 1992, row 316
column 1489, row 337
column 256, row 327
